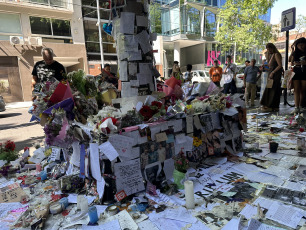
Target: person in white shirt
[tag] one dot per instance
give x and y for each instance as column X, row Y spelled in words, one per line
column 229, row 76
column 161, row 153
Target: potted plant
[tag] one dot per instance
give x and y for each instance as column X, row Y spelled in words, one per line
column 181, row 165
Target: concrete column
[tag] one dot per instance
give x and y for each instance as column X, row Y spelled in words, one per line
column 177, row 52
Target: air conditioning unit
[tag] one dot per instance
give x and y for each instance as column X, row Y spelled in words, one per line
column 35, row 41
column 16, row 40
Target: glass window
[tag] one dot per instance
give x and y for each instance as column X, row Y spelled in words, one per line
column 40, row 25
column 215, row 3
column 210, row 24
column 61, row 28
column 43, row 26
column 10, row 23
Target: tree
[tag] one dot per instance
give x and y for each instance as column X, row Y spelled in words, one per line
column 300, row 25
column 241, row 23
column 155, row 18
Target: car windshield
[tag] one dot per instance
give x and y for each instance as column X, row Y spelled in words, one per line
column 201, row 73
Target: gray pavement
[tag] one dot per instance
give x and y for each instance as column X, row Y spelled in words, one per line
column 15, row 125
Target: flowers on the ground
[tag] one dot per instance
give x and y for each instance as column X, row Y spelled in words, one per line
column 7, row 151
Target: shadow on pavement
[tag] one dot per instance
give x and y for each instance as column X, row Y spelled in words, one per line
column 11, row 126
column 28, row 142
column 10, row 115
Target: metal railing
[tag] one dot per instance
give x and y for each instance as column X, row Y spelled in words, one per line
column 64, row 4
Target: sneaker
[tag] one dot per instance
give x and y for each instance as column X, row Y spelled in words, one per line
column 295, row 111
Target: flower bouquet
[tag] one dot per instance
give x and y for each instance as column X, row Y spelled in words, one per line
column 155, row 110
column 181, row 165
column 8, row 152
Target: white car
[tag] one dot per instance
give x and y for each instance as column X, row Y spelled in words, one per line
column 200, row 76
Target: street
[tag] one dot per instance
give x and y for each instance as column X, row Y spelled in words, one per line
column 15, row 125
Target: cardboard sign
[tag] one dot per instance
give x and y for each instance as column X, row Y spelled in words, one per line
column 12, row 193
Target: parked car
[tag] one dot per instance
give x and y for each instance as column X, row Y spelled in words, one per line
column 2, row 104
column 239, row 79
column 199, row 76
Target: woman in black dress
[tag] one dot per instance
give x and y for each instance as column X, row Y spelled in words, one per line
column 271, row 97
column 298, row 60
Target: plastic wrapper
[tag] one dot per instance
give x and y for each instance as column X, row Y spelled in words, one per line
column 187, row 89
column 200, row 88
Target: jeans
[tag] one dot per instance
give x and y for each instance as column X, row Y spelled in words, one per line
column 230, row 86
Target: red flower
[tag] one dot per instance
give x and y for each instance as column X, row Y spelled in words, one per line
column 157, row 104
column 10, row 145
column 301, row 130
column 146, row 112
column 228, row 105
column 26, row 148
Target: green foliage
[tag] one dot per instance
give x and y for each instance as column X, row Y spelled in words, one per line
column 78, row 80
column 300, row 25
column 155, row 18
column 240, row 23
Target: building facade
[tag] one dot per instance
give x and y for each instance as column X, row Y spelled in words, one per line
column 90, row 18
column 29, row 25
column 187, row 29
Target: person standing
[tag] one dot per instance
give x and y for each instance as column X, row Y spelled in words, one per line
column 264, row 76
column 215, row 73
column 188, row 74
column 108, row 76
column 46, row 70
column 247, row 63
column 250, row 79
column 271, row 97
column 299, row 79
column 229, row 75
column 176, row 72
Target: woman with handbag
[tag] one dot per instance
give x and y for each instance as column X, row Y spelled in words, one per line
column 298, row 60
column 271, row 97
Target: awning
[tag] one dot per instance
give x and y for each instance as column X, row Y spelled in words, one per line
column 200, row 7
column 65, row 61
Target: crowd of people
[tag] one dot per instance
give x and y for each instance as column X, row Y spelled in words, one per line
column 270, row 73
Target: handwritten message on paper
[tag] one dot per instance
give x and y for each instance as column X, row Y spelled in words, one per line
column 129, row 177
column 11, row 193
column 56, row 154
column 122, row 144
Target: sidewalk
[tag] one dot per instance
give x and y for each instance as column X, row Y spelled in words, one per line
column 17, row 105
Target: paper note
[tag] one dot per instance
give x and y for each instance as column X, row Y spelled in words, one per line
column 142, row 21
column 232, row 224
column 180, row 214
column 168, row 168
column 154, row 130
column 153, row 37
column 122, row 144
column 178, row 125
column 257, row 225
column 132, row 69
column 189, row 124
column 294, row 186
column 135, row 56
column 6, row 207
column 109, row 151
column 127, row 20
column 55, row 154
column 123, row 71
column 145, row 68
column 265, row 178
column 249, row 211
column 125, row 220
column 94, row 161
column 144, row 78
column 279, row 171
column 143, row 40
column 188, row 143
column 130, row 44
column 38, row 156
column 127, row 90
column 284, row 214
column 161, row 137
column 129, row 176
column 134, row 83
column 75, row 158
column 147, row 225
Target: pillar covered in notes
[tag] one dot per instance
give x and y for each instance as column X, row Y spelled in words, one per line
column 131, row 31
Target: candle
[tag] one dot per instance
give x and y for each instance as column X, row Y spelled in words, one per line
column 38, row 167
column 79, row 200
column 55, row 208
column 189, row 194
column 93, row 215
column 64, row 202
column 84, row 205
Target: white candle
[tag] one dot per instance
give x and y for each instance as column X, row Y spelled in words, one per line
column 189, row 194
column 84, row 205
column 79, row 201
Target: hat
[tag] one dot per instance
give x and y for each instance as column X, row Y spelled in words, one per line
column 175, row 62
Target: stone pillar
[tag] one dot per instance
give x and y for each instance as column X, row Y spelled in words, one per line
column 134, row 49
column 177, row 52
